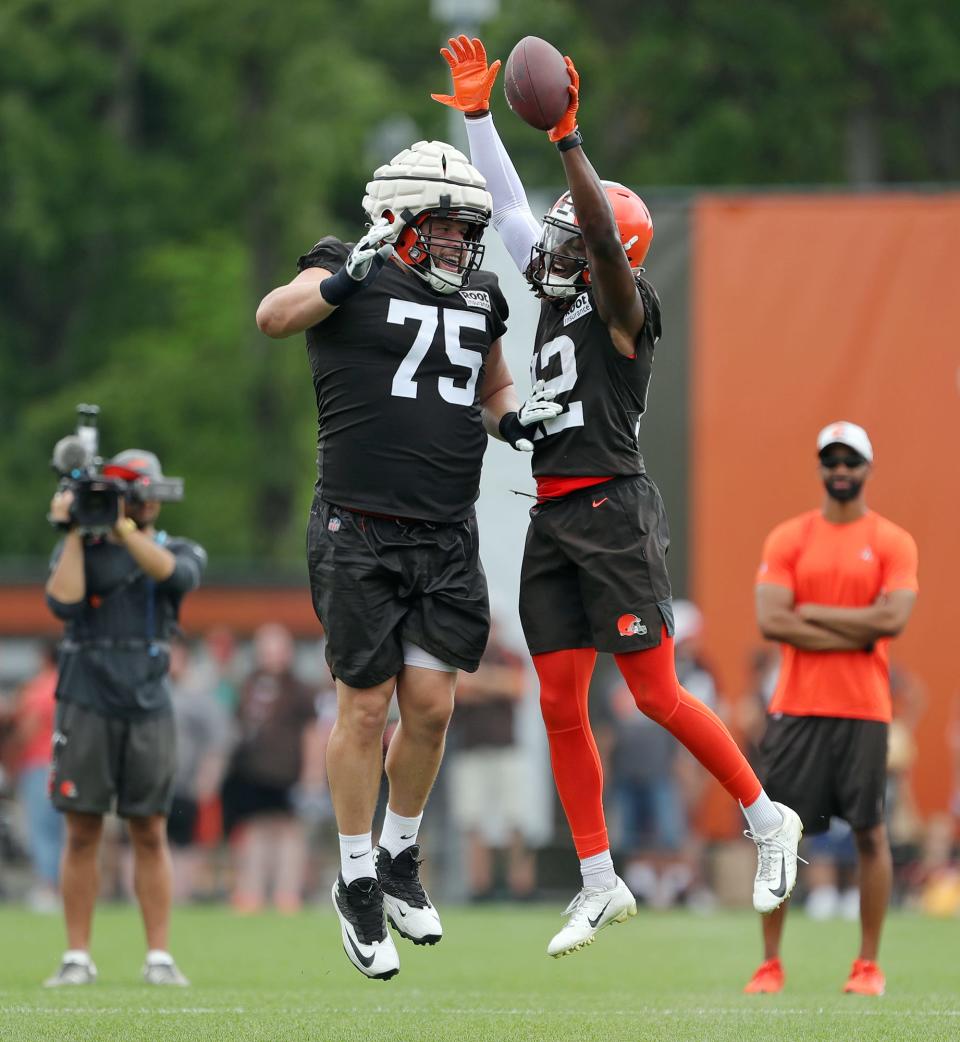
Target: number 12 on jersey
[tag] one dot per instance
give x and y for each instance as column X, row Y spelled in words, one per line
column 404, row 380
column 572, row 416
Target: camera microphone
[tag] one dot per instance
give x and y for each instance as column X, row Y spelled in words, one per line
column 71, row 454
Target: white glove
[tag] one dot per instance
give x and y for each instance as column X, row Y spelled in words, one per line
column 538, row 407
column 374, row 248
column 363, row 264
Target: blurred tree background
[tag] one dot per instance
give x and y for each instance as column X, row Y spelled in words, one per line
column 162, row 165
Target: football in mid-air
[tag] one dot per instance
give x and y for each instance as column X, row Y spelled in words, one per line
column 535, row 82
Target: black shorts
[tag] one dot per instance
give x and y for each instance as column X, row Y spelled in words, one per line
column 244, row 798
column 594, row 570
column 826, row 766
column 377, row 583
column 98, row 760
column 182, row 822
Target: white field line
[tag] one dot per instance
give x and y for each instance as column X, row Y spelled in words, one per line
column 759, row 1011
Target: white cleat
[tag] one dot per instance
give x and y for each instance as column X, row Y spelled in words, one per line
column 71, row 973
column 409, row 909
column 590, row 911
column 164, row 973
column 363, row 928
column 776, row 861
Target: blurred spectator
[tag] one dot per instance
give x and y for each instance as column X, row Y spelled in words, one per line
column 274, row 715
column 751, row 709
column 486, row 772
column 203, row 738
column 903, row 820
column 31, row 743
column 938, row 875
column 217, row 668
column 657, row 784
column 830, row 876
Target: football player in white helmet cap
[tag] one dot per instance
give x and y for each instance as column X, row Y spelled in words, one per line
column 403, row 337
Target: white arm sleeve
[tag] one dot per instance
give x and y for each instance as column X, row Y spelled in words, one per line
column 512, row 216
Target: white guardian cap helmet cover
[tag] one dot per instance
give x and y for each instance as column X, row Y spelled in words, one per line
column 432, row 179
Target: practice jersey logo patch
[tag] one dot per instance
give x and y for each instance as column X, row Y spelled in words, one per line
column 866, row 554
column 476, row 298
column 630, row 626
column 580, row 307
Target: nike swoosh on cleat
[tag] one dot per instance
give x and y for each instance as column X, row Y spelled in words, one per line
column 593, row 922
column 782, row 888
column 599, row 502
column 403, row 914
column 367, row 960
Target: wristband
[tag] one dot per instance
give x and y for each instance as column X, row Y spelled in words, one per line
column 572, row 140
column 339, row 287
column 511, row 429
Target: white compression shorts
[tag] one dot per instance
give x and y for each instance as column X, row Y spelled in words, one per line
column 413, row 655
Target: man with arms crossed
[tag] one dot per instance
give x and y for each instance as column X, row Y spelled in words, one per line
column 834, row 586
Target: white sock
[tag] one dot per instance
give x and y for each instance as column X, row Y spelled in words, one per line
column 157, row 956
column 76, row 955
column 597, row 871
column 398, row 832
column 762, row 815
column 356, row 857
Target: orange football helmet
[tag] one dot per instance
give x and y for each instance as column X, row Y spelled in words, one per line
column 558, row 262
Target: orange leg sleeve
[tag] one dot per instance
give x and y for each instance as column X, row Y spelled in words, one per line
column 652, row 678
column 564, row 689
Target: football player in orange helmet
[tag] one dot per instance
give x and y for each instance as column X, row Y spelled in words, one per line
column 559, row 267
column 594, row 574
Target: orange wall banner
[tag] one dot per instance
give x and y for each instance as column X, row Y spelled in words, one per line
column 809, row 309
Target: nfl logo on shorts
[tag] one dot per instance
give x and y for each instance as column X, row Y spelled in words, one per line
column 630, row 626
column 333, row 525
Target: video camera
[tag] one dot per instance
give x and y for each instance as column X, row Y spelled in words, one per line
column 136, row 476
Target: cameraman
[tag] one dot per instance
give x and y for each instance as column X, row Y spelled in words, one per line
column 119, row 596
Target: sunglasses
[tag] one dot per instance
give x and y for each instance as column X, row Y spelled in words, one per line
column 850, row 462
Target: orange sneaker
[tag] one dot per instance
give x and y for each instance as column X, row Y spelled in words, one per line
column 768, row 980
column 865, row 978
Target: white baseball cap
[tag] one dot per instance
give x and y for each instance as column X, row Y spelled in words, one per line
column 845, row 433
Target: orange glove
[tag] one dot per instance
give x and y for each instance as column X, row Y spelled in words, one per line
column 568, row 124
column 472, row 79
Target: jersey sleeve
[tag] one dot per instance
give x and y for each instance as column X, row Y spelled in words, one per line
column 329, row 253
column 652, row 328
column 900, row 560
column 779, row 559
column 499, row 311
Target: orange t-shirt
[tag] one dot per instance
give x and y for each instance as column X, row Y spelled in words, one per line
column 846, row 566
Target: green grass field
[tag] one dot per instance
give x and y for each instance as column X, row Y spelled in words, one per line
column 658, row 977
